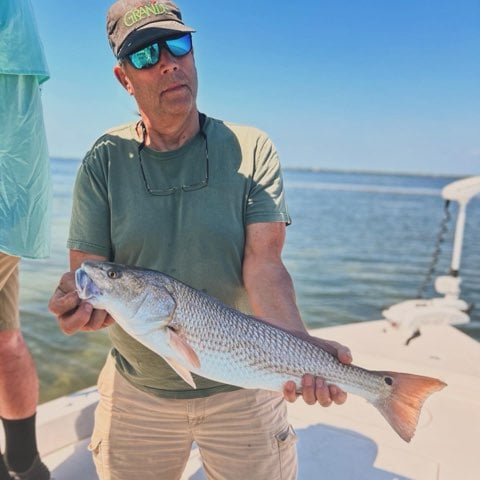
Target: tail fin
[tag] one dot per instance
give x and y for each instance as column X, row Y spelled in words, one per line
column 402, row 407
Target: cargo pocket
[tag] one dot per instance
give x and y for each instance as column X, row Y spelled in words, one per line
column 97, row 447
column 286, row 441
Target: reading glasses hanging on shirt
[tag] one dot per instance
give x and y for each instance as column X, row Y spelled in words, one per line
column 172, row 190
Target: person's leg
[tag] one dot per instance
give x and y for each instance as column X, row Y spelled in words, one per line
column 137, row 435
column 18, row 379
column 246, row 434
column 4, row 475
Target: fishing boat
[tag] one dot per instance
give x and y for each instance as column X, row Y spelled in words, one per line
column 351, row 441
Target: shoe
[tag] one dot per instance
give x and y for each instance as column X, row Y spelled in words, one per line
column 38, row 471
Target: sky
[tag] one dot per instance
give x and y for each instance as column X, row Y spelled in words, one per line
column 375, row 85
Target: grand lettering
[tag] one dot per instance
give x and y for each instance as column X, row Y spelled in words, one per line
column 137, row 14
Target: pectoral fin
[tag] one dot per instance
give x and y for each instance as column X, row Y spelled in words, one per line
column 181, row 346
column 181, row 371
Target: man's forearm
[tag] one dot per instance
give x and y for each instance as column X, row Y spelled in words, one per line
column 272, row 295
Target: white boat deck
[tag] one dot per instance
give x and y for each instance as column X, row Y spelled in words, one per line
column 349, row 442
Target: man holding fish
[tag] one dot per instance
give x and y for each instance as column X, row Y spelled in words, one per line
column 202, row 201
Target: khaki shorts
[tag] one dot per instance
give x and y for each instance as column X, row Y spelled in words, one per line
column 9, row 290
column 241, row 435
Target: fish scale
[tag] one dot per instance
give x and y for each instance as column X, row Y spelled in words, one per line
column 195, row 333
column 256, row 346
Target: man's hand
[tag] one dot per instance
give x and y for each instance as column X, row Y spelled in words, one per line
column 314, row 389
column 72, row 314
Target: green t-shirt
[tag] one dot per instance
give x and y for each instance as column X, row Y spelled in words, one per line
column 196, row 235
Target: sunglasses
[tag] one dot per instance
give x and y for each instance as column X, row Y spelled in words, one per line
column 150, row 55
column 171, row 190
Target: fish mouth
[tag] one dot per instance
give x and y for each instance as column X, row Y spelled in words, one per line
column 86, row 287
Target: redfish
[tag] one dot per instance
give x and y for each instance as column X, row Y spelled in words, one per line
column 195, row 333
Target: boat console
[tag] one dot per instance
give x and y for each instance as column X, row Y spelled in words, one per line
column 450, row 309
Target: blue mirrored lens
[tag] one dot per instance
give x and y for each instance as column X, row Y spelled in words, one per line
column 179, row 47
column 146, row 57
column 149, row 56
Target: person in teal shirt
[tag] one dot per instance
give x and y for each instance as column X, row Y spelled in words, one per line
column 25, row 201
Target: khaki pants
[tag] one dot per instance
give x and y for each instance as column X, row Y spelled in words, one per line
column 9, row 291
column 241, row 435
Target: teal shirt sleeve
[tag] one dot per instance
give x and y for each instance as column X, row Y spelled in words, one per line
column 21, row 50
column 25, row 181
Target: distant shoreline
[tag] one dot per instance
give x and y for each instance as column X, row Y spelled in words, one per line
column 373, row 172
column 335, row 170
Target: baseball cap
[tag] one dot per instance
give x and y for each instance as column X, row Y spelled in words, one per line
column 133, row 24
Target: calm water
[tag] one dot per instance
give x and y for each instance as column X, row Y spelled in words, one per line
column 358, row 243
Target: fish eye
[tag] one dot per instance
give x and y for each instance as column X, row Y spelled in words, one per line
column 388, row 380
column 113, row 274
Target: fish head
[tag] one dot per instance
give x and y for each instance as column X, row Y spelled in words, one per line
column 143, row 303
column 136, row 298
